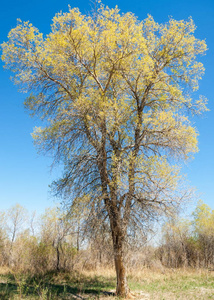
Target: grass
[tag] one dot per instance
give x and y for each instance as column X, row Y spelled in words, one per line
column 144, row 284
column 174, row 284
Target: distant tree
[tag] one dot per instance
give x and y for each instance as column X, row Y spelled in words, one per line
column 113, row 92
column 203, row 218
column 16, row 216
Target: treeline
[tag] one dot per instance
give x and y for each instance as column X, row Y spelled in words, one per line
column 189, row 243
column 56, row 241
column 51, row 241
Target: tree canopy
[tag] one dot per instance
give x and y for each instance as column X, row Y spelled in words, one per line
column 113, row 92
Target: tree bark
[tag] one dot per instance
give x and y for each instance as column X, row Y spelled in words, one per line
column 122, row 289
column 122, row 286
column 58, row 258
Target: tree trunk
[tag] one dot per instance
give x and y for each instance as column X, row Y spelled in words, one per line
column 122, row 286
column 78, row 237
column 58, row 257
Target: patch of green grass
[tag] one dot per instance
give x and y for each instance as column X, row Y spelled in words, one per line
column 5, row 291
column 180, row 285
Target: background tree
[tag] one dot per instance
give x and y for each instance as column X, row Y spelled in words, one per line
column 113, row 91
column 16, row 216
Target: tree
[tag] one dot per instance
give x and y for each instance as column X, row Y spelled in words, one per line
column 114, row 93
column 16, row 217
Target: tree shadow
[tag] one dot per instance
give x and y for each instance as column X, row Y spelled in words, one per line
column 75, row 288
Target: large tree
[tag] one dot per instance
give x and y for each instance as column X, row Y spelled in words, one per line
column 113, row 92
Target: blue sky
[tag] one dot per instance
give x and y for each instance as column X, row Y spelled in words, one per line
column 24, row 174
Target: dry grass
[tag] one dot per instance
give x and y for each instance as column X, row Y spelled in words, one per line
column 4, row 270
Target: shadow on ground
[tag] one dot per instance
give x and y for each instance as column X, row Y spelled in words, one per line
column 46, row 287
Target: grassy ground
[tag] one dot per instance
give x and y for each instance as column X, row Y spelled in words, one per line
column 145, row 284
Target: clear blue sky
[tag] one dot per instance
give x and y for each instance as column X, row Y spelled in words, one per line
column 25, row 175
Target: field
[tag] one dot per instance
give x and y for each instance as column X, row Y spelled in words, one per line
column 145, row 284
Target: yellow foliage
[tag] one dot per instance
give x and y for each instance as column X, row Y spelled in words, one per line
column 204, row 218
